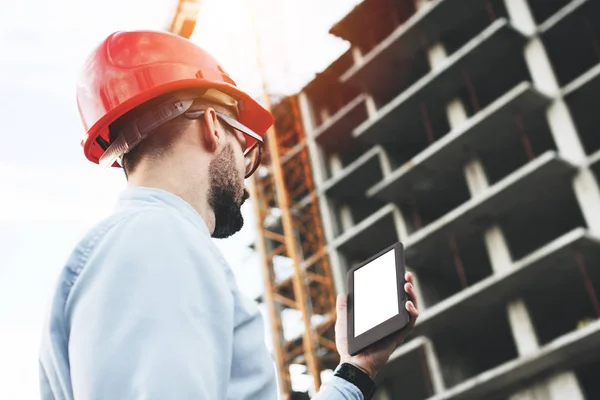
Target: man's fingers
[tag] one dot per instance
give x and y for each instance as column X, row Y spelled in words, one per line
column 410, row 292
column 412, row 310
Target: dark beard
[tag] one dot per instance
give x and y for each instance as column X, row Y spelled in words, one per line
column 226, row 195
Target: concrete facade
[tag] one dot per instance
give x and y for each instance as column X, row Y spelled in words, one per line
column 469, row 130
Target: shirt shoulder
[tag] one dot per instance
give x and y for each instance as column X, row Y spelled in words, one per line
column 152, row 242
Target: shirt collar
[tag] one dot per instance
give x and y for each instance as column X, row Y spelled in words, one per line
column 149, row 195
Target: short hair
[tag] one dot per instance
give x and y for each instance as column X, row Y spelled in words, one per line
column 162, row 139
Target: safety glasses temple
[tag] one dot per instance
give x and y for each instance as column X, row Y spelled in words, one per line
column 229, row 121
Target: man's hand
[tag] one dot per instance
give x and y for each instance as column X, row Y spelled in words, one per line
column 371, row 360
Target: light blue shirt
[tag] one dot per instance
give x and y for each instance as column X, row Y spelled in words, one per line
column 147, row 308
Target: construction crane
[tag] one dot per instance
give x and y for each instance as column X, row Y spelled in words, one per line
column 288, row 226
column 184, row 20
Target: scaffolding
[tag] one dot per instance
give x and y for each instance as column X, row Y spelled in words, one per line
column 289, row 226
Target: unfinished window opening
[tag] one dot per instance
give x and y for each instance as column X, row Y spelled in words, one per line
column 354, row 154
column 407, row 378
column 587, row 374
column 539, row 221
column 465, row 347
column 452, row 267
column 478, row 92
column 434, row 199
column 544, row 9
column 336, row 162
column 347, row 193
column 498, row 80
column 583, row 106
column 327, row 95
column 438, row 278
column 575, row 281
column 372, row 21
column 362, row 207
column 400, row 153
column 369, row 240
column 468, row 101
column 404, row 73
column 507, row 151
column 573, row 43
column 471, row 254
column 484, row 13
column 431, row 125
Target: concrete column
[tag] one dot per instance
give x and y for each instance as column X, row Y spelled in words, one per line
column 346, row 220
column 559, row 118
column 522, row 328
column 499, row 253
column 520, row 15
column 371, row 106
column 335, row 164
column 315, row 154
column 420, row 4
column 437, row 55
column 325, row 209
column 562, row 385
column 325, row 114
column 357, row 55
column 519, row 319
column 564, row 132
column 435, row 371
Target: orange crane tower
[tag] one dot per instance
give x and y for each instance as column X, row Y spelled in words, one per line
column 184, row 20
column 288, row 224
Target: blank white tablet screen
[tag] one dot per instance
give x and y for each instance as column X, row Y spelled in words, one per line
column 375, row 293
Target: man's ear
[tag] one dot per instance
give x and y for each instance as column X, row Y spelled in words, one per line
column 210, row 134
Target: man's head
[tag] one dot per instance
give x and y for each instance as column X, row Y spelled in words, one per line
column 171, row 144
column 198, row 154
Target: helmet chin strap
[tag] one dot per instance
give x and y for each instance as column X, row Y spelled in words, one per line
column 143, row 125
column 140, row 127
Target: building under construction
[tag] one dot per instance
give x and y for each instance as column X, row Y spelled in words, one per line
column 470, row 131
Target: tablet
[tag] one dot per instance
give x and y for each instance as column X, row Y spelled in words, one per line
column 376, row 299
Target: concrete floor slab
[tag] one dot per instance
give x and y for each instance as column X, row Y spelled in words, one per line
column 527, row 186
column 568, row 351
column 394, row 122
column 374, row 233
column 541, row 268
column 445, row 156
column 565, row 17
column 354, row 180
column 584, row 89
column 433, row 21
column 336, row 131
column 407, row 371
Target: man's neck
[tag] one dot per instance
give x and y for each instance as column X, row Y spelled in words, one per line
column 195, row 195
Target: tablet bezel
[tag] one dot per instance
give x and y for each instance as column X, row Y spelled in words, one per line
column 384, row 329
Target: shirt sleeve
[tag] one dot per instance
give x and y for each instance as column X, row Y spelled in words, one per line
column 149, row 316
column 338, row 389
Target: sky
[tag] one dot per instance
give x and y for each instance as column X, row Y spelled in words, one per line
column 50, row 195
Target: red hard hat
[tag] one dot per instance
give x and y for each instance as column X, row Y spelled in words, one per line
column 130, row 68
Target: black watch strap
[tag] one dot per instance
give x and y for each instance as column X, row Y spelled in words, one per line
column 358, row 378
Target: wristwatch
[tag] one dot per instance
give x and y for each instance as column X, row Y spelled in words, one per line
column 358, row 378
